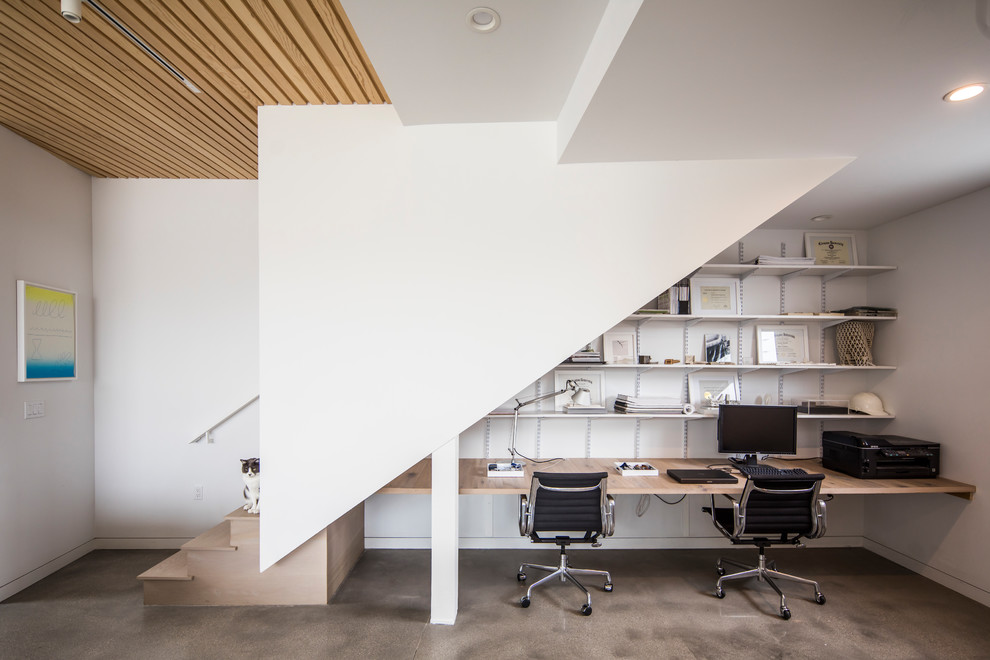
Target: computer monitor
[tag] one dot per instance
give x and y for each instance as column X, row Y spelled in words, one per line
column 752, row 430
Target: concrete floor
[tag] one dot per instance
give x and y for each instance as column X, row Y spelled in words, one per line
column 662, row 607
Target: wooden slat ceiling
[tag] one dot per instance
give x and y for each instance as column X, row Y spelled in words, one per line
column 88, row 95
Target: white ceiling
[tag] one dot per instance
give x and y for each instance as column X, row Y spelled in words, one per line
column 719, row 79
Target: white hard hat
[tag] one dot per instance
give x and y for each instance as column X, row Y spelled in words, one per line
column 867, row 402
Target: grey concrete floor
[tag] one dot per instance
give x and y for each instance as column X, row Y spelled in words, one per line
column 662, row 607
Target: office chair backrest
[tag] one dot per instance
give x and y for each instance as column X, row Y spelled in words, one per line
column 774, row 506
column 568, row 502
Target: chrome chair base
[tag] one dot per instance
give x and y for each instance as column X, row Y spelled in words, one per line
column 565, row 572
column 765, row 574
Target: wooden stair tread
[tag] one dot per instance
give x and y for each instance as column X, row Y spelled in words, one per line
column 215, row 538
column 241, row 515
column 172, row 568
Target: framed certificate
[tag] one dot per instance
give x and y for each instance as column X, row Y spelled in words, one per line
column 831, row 249
column 782, row 344
column 715, row 296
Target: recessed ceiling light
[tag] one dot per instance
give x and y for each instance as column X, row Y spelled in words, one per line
column 821, row 218
column 483, row 19
column 965, row 92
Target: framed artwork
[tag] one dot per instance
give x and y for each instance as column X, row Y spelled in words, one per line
column 715, row 296
column 46, row 333
column 830, row 249
column 781, row 344
column 704, row 389
column 718, row 349
column 619, row 347
column 593, row 380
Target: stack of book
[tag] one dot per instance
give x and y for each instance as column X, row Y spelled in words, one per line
column 648, row 405
column 585, row 410
column 587, row 356
column 767, row 260
column 868, row 311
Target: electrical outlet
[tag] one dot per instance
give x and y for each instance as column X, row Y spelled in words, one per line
column 34, row 409
column 197, row 492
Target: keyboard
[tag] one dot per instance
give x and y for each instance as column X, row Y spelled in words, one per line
column 770, row 471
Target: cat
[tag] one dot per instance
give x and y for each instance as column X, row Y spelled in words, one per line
column 250, row 472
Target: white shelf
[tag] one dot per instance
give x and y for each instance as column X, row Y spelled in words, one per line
column 745, row 368
column 849, row 416
column 612, row 415
column 693, row 416
column 691, row 319
column 826, row 272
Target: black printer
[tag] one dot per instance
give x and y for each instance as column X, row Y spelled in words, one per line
column 879, row 456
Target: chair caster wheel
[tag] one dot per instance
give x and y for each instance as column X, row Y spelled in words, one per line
column 785, row 613
column 820, row 598
column 586, row 609
column 719, row 592
column 524, row 601
column 521, row 577
column 608, row 586
column 720, row 570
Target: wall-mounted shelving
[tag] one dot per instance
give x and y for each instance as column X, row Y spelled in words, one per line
column 807, row 306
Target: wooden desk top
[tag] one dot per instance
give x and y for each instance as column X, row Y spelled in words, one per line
column 475, row 480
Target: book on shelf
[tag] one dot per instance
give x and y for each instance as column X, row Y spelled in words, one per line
column 585, row 410
column 586, row 355
column 769, row 260
column 646, row 405
column 868, row 311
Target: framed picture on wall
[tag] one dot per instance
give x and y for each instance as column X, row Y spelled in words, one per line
column 593, row 380
column 782, row 344
column 831, row 249
column 619, row 347
column 715, row 296
column 46, row 333
column 706, row 389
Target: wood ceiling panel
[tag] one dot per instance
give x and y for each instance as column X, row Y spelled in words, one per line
column 89, row 96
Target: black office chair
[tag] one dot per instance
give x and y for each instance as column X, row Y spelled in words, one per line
column 771, row 511
column 563, row 504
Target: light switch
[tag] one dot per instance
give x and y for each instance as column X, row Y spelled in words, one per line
column 34, row 409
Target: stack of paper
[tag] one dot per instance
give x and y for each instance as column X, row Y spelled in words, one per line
column 648, row 405
column 767, row 260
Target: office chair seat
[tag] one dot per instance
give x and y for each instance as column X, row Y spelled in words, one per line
column 771, row 511
column 566, row 508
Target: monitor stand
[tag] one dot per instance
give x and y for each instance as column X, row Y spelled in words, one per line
column 748, row 460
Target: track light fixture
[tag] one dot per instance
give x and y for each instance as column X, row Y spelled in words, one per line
column 72, row 12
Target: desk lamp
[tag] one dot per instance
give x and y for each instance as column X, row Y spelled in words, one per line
column 580, row 396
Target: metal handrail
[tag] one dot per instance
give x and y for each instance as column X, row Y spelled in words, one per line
column 206, row 434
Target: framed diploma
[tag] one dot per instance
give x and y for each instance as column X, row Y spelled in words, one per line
column 46, row 333
column 782, row 344
column 715, row 296
column 831, row 249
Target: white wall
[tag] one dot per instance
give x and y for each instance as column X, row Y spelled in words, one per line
column 412, row 278
column 46, row 465
column 938, row 343
column 176, row 281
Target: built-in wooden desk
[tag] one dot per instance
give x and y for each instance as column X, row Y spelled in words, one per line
column 475, row 480
column 472, row 478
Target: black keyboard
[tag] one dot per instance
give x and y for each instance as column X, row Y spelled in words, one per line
column 770, row 471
